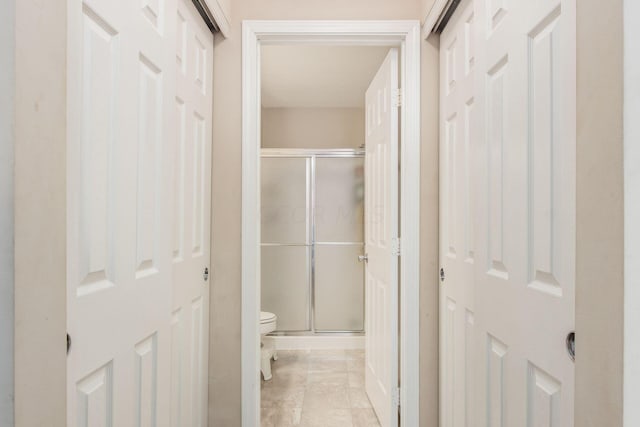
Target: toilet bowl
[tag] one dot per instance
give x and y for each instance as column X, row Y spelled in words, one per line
column 268, row 351
column 267, row 322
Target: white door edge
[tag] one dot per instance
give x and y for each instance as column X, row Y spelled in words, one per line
column 632, row 211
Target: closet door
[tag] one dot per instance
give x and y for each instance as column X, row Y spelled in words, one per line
column 525, row 270
column 459, row 141
column 139, row 170
column 191, row 209
column 121, row 122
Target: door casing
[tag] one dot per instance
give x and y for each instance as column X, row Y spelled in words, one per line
column 406, row 36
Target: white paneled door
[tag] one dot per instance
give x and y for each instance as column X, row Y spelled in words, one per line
column 191, row 160
column 381, row 241
column 508, row 131
column 458, row 157
column 139, row 123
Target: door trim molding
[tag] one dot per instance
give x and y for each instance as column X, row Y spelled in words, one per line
column 434, row 14
column 216, row 14
column 631, row 154
column 405, row 35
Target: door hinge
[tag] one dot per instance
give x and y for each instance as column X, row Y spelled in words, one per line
column 398, row 97
column 395, row 246
column 396, row 396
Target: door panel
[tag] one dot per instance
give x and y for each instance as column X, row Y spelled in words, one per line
column 193, row 57
column 526, row 227
column 128, row 138
column 517, row 299
column 285, row 199
column 339, row 290
column 458, row 154
column 119, row 268
column 381, row 230
column 286, row 284
column 339, row 201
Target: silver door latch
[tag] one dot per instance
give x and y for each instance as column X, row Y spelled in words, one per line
column 364, row 258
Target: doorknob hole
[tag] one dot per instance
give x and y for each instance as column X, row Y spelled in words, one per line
column 571, row 345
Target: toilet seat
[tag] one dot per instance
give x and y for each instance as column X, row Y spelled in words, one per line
column 267, row 322
column 266, row 317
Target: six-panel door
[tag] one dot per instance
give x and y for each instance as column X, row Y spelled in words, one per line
column 381, row 231
column 511, row 125
column 138, row 208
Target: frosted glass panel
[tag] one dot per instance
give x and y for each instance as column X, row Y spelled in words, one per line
column 285, row 198
column 339, row 288
column 339, row 199
column 285, row 285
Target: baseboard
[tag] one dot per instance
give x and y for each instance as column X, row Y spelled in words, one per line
column 318, row 342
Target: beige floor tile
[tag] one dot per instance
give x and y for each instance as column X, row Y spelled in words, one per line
column 317, row 388
column 326, row 397
column 290, row 366
column 282, row 397
column 328, row 378
column 354, row 354
column 280, row 417
column 356, row 379
column 294, row 354
column 358, row 398
column 355, row 365
column 290, row 379
column 315, row 417
column 364, row 418
column 323, row 365
column 328, row 354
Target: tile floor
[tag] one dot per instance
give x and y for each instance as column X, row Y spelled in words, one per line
column 319, row 388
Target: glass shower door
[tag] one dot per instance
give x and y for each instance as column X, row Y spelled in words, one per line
column 286, row 241
column 339, row 239
column 312, row 233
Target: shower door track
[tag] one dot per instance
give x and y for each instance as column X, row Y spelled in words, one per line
column 312, row 155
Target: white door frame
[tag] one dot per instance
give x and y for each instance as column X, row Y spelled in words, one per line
column 406, row 36
column 631, row 379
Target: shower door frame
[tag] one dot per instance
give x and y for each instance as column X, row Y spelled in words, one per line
column 312, row 155
column 406, row 36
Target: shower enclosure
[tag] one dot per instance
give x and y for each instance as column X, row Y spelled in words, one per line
column 312, row 218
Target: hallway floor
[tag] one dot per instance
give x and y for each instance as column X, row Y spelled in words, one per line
column 319, row 388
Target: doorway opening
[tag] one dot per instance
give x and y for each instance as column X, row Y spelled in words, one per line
column 277, row 230
column 314, row 202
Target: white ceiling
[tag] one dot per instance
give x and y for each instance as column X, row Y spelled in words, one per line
column 309, row 76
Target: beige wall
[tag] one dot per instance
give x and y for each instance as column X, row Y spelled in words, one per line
column 7, row 65
column 40, row 213
column 599, row 256
column 429, row 248
column 312, row 127
column 224, row 389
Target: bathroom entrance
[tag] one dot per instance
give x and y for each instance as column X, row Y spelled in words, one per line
column 329, row 219
column 328, row 86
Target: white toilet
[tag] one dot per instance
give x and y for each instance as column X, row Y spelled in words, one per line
column 268, row 351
